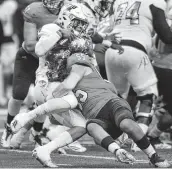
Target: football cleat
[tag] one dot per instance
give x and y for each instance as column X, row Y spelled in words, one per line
column 159, row 162
column 6, row 136
column 43, row 156
column 124, row 157
column 76, row 146
column 156, row 142
column 18, row 138
column 19, row 121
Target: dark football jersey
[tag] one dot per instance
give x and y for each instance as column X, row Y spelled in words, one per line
column 92, row 92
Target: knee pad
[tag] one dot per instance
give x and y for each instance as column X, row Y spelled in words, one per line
column 146, row 106
column 122, row 114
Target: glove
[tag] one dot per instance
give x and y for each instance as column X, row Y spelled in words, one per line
column 19, row 121
column 117, row 47
column 100, row 48
column 124, row 157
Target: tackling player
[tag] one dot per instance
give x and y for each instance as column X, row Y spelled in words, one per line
column 137, row 21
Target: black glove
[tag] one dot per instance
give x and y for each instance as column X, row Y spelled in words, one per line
column 117, row 47
column 100, row 48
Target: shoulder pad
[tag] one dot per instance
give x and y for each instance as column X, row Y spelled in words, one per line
column 32, row 11
column 80, row 59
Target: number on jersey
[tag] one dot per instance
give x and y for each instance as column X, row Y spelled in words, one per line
column 132, row 13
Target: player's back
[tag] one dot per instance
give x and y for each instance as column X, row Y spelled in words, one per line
column 92, row 92
column 36, row 13
column 134, row 19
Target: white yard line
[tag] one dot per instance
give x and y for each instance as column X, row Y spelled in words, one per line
column 72, row 155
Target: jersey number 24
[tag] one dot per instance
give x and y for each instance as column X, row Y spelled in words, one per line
column 131, row 13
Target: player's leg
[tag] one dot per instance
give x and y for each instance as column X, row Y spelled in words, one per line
column 22, row 78
column 141, row 76
column 164, row 87
column 116, row 71
column 74, row 119
column 122, row 116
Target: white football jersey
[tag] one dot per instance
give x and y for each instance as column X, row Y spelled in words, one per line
column 133, row 19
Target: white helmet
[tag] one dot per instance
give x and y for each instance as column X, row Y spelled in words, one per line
column 74, row 17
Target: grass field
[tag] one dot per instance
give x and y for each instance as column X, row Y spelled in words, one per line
column 94, row 157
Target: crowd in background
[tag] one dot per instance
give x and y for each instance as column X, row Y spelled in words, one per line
column 11, row 38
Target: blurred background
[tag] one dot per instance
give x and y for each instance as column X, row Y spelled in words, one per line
column 11, row 37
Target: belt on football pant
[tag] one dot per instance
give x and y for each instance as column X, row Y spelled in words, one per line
column 134, row 44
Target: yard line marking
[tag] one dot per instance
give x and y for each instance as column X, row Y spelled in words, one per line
column 74, row 155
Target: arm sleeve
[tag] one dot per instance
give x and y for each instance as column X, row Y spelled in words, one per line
column 160, row 24
column 49, row 36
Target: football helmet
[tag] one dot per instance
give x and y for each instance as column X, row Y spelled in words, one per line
column 100, row 7
column 73, row 17
column 53, row 5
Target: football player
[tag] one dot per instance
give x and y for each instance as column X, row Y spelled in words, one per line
column 137, row 21
column 161, row 56
column 35, row 15
column 71, row 17
column 96, row 97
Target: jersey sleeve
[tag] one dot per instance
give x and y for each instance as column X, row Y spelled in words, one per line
column 161, row 4
column 30, row 13
column 48, row 37
column 160, row 24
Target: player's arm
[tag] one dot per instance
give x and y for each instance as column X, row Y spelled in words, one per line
column 30, row 37
column 48, row 36
column 30, row 31
column 70, row 82
column 160, row 24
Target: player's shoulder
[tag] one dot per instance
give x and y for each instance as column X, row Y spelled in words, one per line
column 159, row 4
column 34, row 10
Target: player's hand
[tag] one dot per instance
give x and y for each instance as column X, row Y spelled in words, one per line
column 117, row 47
column 124, row 156
column 100, row 48
column 19, row 121
column 67, row 34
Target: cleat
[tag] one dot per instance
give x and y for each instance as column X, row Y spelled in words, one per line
column 156, row 142
column 124, row 157
column 76, row 146
column 6, row 136
column 18, row 138
column 43, row 156
column 159, row 162
column 19, row 121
